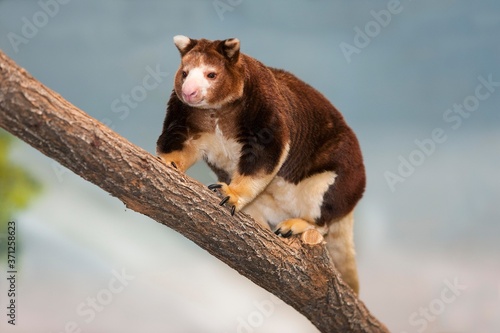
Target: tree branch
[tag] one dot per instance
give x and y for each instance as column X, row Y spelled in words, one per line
column 301, row 275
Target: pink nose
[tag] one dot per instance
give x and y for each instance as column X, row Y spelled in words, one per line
column 190, row 90
column 189, row 94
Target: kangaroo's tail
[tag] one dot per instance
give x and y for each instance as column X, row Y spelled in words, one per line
column 340, row 245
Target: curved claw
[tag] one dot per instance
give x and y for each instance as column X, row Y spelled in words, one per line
column 174, row 165
column 223, row 201
column 214, row 187
column 287, row 234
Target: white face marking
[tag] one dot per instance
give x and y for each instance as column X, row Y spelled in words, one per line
column 196, row 85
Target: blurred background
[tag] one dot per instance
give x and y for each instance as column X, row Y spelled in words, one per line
column 418, row 81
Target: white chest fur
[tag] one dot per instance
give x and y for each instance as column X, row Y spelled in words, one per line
column 220, row 151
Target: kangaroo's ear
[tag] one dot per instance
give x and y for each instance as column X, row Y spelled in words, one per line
column 231, row 49
column 184, row 44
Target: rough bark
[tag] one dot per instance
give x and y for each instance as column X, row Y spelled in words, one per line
column 299, row 274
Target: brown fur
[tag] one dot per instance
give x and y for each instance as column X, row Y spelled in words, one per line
column 260, row 125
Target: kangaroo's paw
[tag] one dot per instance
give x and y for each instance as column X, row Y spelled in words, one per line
column 291, row 227
column 180, row 160
column 229, row 196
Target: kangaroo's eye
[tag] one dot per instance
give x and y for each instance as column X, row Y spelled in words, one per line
column 211, row 75
column 184, row 74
